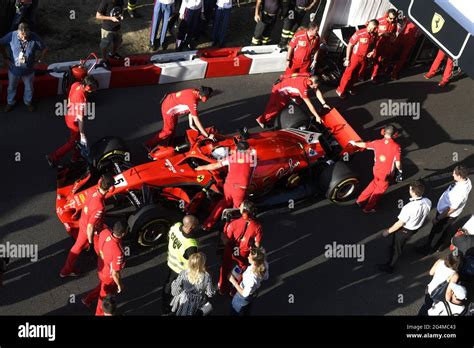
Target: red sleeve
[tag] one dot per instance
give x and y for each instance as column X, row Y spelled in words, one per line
column 372, row 145
column 354, row 38
column 117, row 260
column 293, row 41
column 303, row 88
column 398, row 153
column 96, row 211
column 229, row 232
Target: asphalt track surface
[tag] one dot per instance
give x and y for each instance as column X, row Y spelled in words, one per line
column 303, row 281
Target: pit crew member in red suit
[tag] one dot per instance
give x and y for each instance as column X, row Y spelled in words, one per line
column 404, row 44
column 91, row 221
column 386, row 31
column 387, row 155
column 360, row 47
column 77, row 109
column 303, row 50
column 448, row 70
column 239, row 236
column 109, row 266
column 241, row 165
column 177, row 104
column 289, row 87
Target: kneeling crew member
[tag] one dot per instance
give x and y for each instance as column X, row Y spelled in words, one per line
column 293, row 86
column 177, row 104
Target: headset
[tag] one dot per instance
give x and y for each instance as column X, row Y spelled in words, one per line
column 389, row 129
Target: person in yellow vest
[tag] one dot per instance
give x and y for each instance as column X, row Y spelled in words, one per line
column 181, row 245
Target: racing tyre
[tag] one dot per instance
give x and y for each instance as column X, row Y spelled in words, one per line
column 338, row 182
column 294, row 119
column 107, row 151
column 150, row 225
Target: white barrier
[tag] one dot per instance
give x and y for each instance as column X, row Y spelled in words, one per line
column 102, row 75
column 265, row 59
column 179, row 66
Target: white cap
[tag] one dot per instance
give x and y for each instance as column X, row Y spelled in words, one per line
column 459, row 291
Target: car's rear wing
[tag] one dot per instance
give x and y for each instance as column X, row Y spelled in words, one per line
column 341, row 131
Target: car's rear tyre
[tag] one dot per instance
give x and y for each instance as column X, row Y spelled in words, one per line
column 150, row 225
column 338, row 182
column 107, row 151
column 293, row 116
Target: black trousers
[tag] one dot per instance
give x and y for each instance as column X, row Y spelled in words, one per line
column 399, row 239
column 263, row 29
column 443, row 229
column 166, row 297
column 291, row 23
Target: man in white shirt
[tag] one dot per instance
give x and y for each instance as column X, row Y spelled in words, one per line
column 450, row 207
column 411, row 218
column 190, row 14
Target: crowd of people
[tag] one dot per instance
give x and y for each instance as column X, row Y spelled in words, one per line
column 188, row 285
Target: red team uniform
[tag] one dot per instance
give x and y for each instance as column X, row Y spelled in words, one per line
column 242, row 233
column 448, row 71
column 304, row 49
column 174, row 105
column 363, row 43
column 386, row 153
column 92, row 213
column 384, row 46
column 404, row 44
column 111, row 257
column 282, row 92
column 236, row 184
column 76, row 108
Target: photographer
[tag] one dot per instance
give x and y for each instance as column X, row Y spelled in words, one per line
column 110, row 12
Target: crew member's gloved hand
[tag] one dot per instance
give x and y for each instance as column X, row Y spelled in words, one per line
column 83, row 140
column 352, row 142
column 346, row 62
column 399, row 177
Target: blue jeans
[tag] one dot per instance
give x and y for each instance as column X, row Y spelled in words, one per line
column 161, row 12
column 221, row 23
column 240, row 304
column 13, row 81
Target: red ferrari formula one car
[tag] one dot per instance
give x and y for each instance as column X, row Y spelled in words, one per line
column 296, row 161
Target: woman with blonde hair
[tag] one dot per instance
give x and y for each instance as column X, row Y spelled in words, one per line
column 251, row 280
column 192, row 288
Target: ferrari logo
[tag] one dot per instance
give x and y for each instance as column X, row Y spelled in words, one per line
column 437, row 23
column 82, row 198
column 200, row 178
